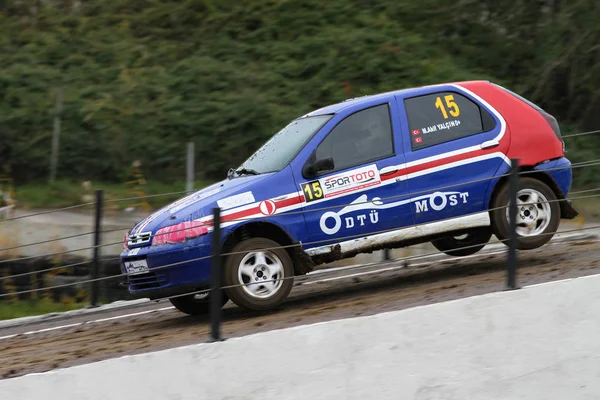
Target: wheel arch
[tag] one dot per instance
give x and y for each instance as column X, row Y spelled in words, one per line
column 302, row 261
column 566, row 210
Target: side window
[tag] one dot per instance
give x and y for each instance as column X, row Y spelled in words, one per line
column 441, row 117
column 362, row 137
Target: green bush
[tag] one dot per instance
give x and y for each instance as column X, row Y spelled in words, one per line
column 141, row 78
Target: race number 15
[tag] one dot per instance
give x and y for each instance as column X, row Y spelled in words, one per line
column 312, row 191
column 451, row 106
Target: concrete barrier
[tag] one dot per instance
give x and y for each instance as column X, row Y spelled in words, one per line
column 541, row 342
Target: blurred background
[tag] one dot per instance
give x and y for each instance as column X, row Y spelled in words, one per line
column 119, row 88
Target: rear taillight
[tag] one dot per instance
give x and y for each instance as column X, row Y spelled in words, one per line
column 179, row 233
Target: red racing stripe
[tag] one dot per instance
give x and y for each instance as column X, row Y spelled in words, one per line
column 433, row 164
column 256, row 209
column 297, row 199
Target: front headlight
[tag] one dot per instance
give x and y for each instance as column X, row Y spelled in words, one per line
column 179, row 233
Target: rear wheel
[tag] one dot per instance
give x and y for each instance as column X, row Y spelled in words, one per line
column 465, row 244
column 196, row 304
column 261, row 273
column 538, row 214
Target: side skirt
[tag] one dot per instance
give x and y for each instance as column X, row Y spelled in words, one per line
column 367, row 244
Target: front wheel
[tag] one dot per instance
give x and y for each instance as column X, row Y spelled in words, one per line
column 260, row 274
column 196, row 304
column 465, row 244
column 538, row 214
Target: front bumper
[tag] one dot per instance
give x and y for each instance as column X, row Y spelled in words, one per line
column 172, row 269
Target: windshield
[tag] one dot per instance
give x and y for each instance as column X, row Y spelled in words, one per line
column 278, row 151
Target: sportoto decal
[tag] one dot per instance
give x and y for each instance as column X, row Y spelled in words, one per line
column 343, row 183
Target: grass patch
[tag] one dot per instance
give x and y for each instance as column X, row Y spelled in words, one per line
column 26, row 308
column 67, row 193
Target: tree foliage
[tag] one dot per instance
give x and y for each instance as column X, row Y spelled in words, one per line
column 143, row 77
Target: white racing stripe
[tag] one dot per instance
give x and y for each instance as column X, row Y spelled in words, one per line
column 85, row 323
column 335, row 278
column 387, row 182
column 171, row 307
column 305, row 283
column 379, row 270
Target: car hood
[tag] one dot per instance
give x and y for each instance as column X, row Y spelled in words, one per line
column 198, row 204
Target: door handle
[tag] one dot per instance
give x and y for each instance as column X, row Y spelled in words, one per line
column 489, row 143
column 388, row 170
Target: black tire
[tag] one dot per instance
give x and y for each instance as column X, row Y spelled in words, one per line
column 280, row 261
column 500, row 222
column 475, row 240
column 193, row 305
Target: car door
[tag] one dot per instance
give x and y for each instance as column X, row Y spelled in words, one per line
column 355, row 198
column 453, row 147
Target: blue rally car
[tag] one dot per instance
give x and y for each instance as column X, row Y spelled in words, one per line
column 382, row 171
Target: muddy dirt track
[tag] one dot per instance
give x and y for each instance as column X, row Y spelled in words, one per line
column 388, row 287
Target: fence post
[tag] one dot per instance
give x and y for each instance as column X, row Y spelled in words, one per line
column 513, row 188
column 190, row 167
column 56, row 134
column 215, row 292
column 386, row 254
column 97, row 241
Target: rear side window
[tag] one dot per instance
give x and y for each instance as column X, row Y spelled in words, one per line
column 441, row 117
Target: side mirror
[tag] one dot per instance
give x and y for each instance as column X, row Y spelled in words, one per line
column 322, row 164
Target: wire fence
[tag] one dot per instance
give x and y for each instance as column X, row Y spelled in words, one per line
column 303, row 211
column 581, row 134
column 215, row 259
column 62, row 238
column 285, row 214
column 227, row 254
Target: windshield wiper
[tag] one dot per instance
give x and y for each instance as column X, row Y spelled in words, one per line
column 246, row 171
column 240, row 171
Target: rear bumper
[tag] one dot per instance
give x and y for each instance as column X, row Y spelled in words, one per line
column 561, row 173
